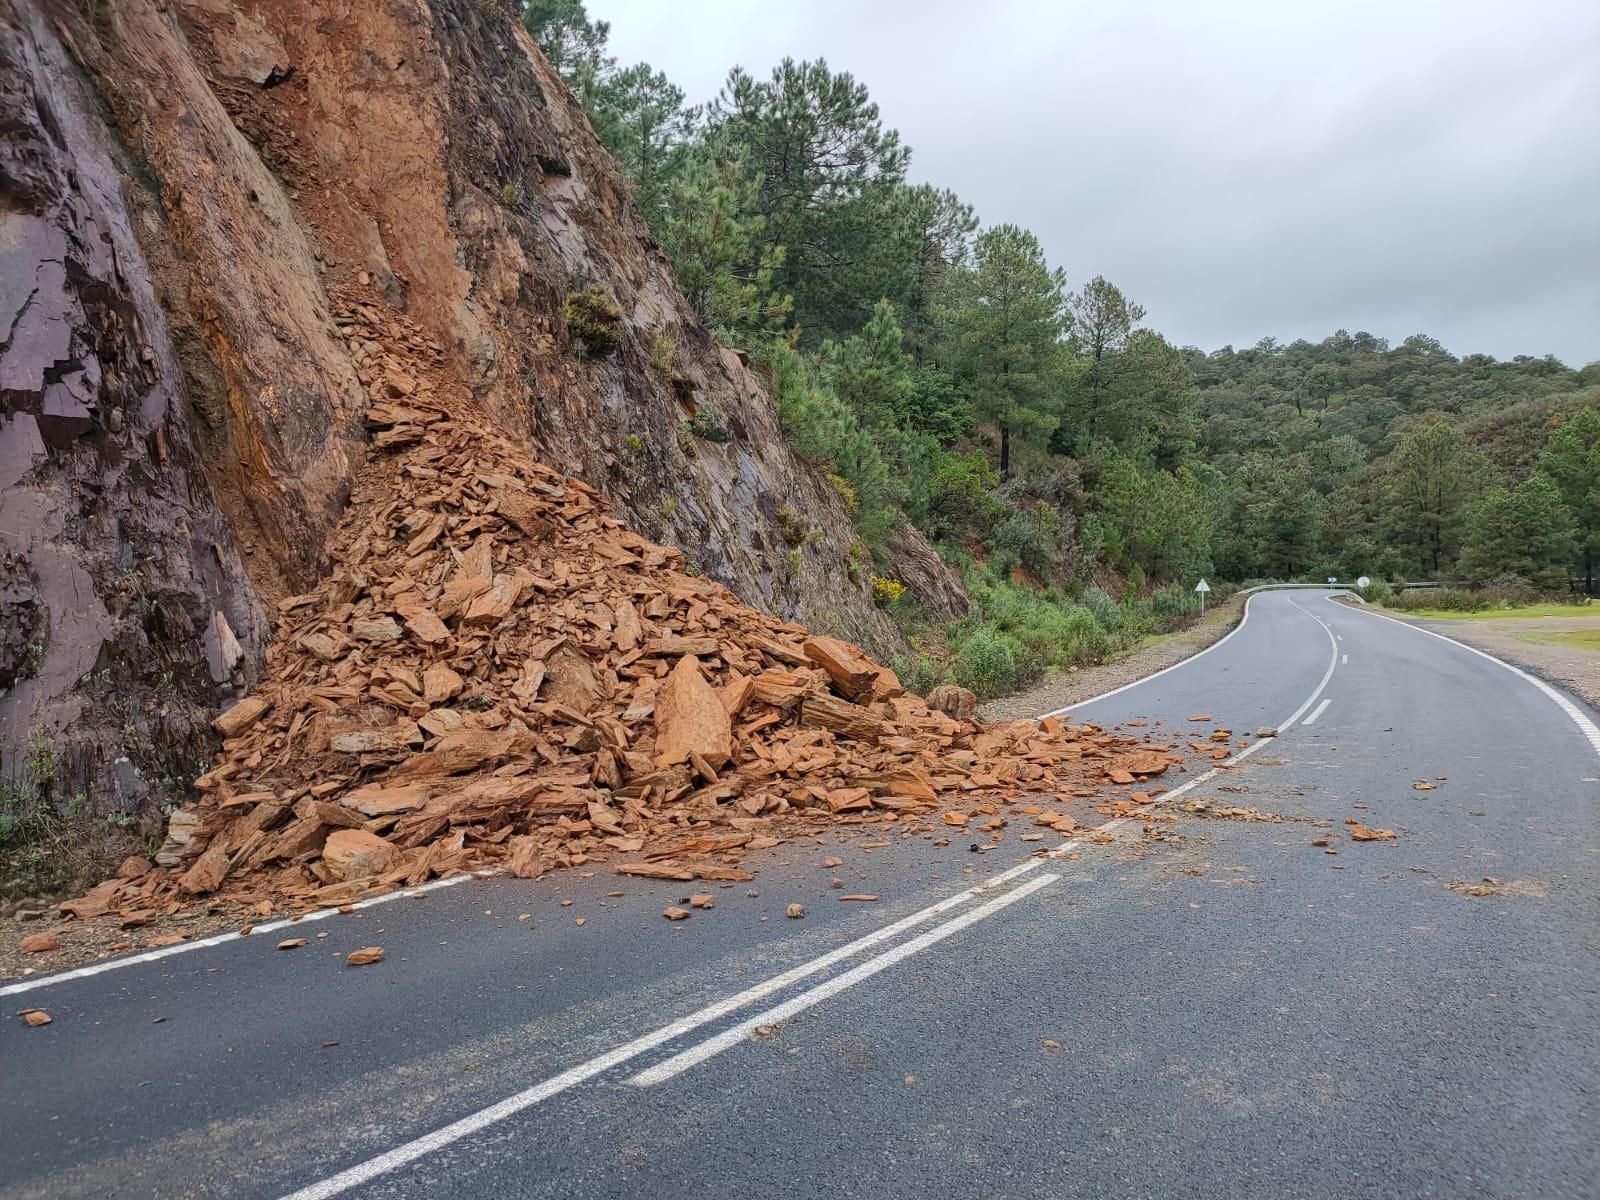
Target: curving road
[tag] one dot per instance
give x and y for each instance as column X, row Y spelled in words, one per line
column 1229, row 1012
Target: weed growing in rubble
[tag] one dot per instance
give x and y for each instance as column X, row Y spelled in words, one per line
column 707, row 425
column 663, row 357
column 594, row 320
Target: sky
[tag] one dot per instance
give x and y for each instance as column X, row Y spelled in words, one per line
column 1243, row 169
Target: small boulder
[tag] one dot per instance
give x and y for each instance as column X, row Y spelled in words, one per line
column 954, row 702
column 355, row 854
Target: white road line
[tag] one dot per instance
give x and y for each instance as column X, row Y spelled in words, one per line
column 1318, row 711
column 217, row 939
column 473, row 1123
column 1585, row 726
column 735, row 1034
column 1117, row 691
column 1333, row 661
column 1208, row 776
column 511, row 1105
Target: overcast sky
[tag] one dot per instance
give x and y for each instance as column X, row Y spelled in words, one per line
column 1241, row 168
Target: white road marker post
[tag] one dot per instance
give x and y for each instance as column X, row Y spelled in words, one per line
column 1202, row 588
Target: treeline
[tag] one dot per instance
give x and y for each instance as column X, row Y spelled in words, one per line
column 1081, row 471
column 1350, row 457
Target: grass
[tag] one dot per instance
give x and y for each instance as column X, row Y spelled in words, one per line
column 1582, row 639
column 1556, row 609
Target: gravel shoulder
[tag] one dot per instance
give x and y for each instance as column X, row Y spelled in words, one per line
column 1532, row 643
column 1069, row 687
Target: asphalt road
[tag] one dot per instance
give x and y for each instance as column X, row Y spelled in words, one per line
column 1229, row 1011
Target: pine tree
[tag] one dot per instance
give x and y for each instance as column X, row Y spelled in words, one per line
column 717, row 247
column 1007, row 317
column 645, row 126
column 1432, row 477
column 870, row 370
column 1103, row 323
column 1571, row 460
column 1523, row 531
column 576, row 48
column 828, row 173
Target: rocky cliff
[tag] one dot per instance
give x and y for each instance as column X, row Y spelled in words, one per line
column 228, row 228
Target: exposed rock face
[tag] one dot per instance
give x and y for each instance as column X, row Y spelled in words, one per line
column 126, row 616
column 183, row 372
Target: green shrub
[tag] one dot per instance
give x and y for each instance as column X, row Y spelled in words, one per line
column 663, row 356
column 1107, row 612
column 960, row 494
column 986, row 662
column 1441, row 600
column 511, row 194
column 921, row 674
column 1172, row 605
column 594, row 320
column 1376, row 592
column 846, row 493
column 1026, row 536
column 707, row 424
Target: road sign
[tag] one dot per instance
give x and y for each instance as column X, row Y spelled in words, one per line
column 1363, row 582
column 1333, row 579
column 1202, row 587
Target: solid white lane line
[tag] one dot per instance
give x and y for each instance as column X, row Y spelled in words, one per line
column 1578, row 717
column 511, row 1105
column 735, row 1034
column 1318, row 711
column 1117, row 691
column 218, row 939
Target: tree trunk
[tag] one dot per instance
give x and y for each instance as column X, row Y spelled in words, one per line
column 1005, row 451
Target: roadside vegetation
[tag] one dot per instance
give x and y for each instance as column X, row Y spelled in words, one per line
column 1483, row 603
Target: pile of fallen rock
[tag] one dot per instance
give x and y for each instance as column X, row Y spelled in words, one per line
column 498, row 674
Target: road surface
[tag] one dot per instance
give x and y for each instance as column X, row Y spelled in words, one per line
column 1231, row 1011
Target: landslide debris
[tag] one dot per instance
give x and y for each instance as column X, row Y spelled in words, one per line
column 498, row 674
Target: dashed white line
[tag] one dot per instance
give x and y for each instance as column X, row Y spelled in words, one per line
column 473, row 1123
column 735, row 1034
column 1318, row 711
column 1344, row 660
